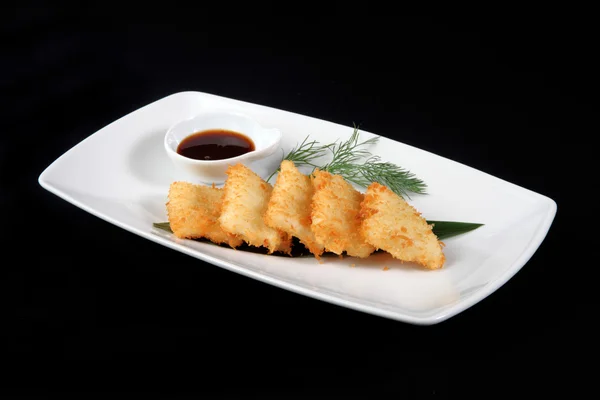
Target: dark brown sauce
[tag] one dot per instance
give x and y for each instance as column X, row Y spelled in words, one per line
column 215, row 144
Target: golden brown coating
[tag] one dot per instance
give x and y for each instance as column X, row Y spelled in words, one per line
column 193, row 212
column 335, row 215
column 290, row 206
column 391, row 224
column 245, row 199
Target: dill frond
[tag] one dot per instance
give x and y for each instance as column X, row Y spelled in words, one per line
column 352, row 160
column 357, row 165
column 304, row 154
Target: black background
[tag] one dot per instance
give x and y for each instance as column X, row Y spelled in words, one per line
column 90, row 307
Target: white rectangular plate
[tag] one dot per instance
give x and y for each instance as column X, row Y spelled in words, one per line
column 122, row 175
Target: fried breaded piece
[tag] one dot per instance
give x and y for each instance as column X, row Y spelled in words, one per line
column 335, row 215
column 245, row 199
column 391, row 224
column 193, row 212
column 290, row 206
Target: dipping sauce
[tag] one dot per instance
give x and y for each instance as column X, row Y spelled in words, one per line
column 215, row 144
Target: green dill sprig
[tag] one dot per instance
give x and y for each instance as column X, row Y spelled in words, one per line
column 356, row 164
column 304, row 154
column 348, row 152
column 359, row 166
column 399, row 180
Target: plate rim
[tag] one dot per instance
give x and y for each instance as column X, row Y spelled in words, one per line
column 441, row 315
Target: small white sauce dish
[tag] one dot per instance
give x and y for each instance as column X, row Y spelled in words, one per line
column 266, row 142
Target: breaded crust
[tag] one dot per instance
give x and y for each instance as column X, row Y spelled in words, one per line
column 289, row 207
column 245, row 199
column 193, row 212
column 335, row 215
column 391, row 224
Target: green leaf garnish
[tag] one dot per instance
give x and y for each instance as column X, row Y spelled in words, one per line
column 165, row 226
column 446, row 229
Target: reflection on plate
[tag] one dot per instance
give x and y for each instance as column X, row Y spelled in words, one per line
column 129, row 189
